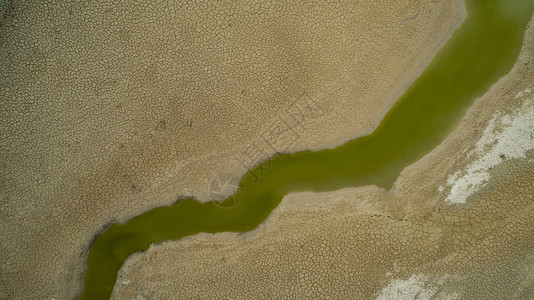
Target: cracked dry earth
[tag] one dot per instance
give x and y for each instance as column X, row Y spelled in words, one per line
column 110, row 108
column 458, row 224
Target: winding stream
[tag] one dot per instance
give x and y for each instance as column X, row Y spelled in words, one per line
column 482, row 50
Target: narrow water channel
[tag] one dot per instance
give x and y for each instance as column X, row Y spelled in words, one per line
column 481, row 51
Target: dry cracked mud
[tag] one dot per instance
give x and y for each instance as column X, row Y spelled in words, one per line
column 111, row 108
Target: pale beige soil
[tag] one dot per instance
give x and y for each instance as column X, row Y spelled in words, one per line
column 366, row 243
column 111, row 108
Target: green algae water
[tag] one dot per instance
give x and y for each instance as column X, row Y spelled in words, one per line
column 482, row 50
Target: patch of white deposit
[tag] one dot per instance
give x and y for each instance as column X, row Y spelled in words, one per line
column 409, row 289
column 417, row 287
column 505, row 137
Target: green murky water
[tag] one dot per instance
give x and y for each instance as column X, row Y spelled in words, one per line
column 482, row 50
